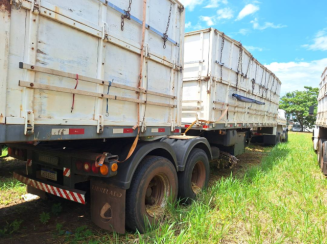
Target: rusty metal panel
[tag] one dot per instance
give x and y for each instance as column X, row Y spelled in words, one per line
column 108, row 206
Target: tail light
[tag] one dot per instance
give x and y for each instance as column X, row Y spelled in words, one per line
column 95, row 169
column 114, row 167
column 79, row 166
column 10, row 151
column 87, row 167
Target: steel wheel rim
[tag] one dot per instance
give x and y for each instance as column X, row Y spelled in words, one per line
column 155, row 196
column 198, row 177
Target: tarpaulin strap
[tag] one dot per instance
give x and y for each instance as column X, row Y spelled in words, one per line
column 107, row 109
column 206, row 121
column 73, row 104
column 99, row 160
column 247, row 99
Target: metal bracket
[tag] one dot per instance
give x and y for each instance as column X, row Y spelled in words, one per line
column 105, row 31
column 172, row 126
column 29, row 123
column 100, row 126
column 36, row 6
column 143, row 128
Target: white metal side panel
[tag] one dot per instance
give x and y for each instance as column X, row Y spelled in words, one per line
column 4, row 54
column 232, row 70
column 78, row 47
column 322, row 101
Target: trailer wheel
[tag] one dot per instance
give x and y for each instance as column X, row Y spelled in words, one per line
column 195, row 177
column 154, row 184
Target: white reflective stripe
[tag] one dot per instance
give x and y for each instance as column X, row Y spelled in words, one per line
column 57, row 193
column 40, row 186
column 77, row 197
column 28, row 181
column 45, row 187
column 154, row 130
column 51, row 191
column 59, row 132
column 70, row 196
column 118, row 131
column 62, row 193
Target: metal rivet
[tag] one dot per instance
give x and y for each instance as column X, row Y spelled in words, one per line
column 32, row 67
column 31, row 84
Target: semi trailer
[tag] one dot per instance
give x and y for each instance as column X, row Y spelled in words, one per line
column 96, row 97
column 319, row 137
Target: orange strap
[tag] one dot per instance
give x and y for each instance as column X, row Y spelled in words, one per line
column 206, row 121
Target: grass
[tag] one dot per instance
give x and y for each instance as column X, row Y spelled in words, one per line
column 11, row 190
column 281, row 198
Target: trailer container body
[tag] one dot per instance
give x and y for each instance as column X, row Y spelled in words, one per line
column 70, row 69
column 221, row 75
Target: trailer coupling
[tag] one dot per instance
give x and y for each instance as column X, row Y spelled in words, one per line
column 56, row 190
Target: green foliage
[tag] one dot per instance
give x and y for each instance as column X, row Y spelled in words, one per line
column 297, row 103
column 56, row 209
column 59, row 229
column 12, row 228
column 4, row 152
column 44, row 217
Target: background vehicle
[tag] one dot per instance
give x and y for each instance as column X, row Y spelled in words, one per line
column 91, row 99
column 296, row 127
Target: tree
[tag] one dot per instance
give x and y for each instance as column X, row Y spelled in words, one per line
column 297, row 104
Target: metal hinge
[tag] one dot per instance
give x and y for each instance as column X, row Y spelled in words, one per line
column 29, row 123
column 100, row 126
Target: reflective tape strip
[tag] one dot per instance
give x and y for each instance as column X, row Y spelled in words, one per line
column 29, row 162
column 158, row 130
column 70, row 195
column 123, row 131
column 66, row 172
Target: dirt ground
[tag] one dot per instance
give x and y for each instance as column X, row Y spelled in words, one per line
column 62, row 226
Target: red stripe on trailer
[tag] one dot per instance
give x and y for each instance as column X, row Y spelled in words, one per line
column 186, row 126
column 76, row 131
column 126, row 130
column 161, row 130
column 66, row 172
column 29, row 162
column 205, row 126
column 70, row 195
column 176, row 131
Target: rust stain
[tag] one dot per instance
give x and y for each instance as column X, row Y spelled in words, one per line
column 5, row 6
column 40, row 51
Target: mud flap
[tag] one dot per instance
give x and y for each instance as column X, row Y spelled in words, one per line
column 108, row 206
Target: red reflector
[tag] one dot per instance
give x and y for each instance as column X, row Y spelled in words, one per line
column 79, row 166
column 10, row 150
column 87, row 167
column 76, row 131
column 205, row 126
column 128, row 130
column 161, row 130
column 186, row 126
column 95, row 169
column 176, row 131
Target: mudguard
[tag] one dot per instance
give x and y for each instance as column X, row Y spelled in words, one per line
column 182, row 148
column 127, row 169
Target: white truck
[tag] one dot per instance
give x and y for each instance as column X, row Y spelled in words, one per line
column 91, row 98
column 320, row 130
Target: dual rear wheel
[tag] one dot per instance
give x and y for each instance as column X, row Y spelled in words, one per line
column 155, row 185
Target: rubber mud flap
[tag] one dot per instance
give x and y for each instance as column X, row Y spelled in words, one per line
column 108, row 206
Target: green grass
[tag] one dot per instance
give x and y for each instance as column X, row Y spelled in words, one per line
column 282, row 200
column 10, row 190
column 4, row 152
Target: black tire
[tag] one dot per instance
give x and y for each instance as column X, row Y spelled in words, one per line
column 323, row 158
column 195, row 177
column 154, row 183
column 319, row 154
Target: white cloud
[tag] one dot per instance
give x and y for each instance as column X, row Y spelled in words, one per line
column 257, row 26
column 296, row 75
column 209, row 20
column 319, row 42
column 243, row 31
column 188, row 24
column 247, row 10
column 225, row 13
column 252, row 48
column 215, row 3
column 190, row 4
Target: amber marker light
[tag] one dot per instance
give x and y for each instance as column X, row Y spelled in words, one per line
column 104, row 169
column 114, row 167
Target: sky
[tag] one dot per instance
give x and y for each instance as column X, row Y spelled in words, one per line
column 288, row 36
